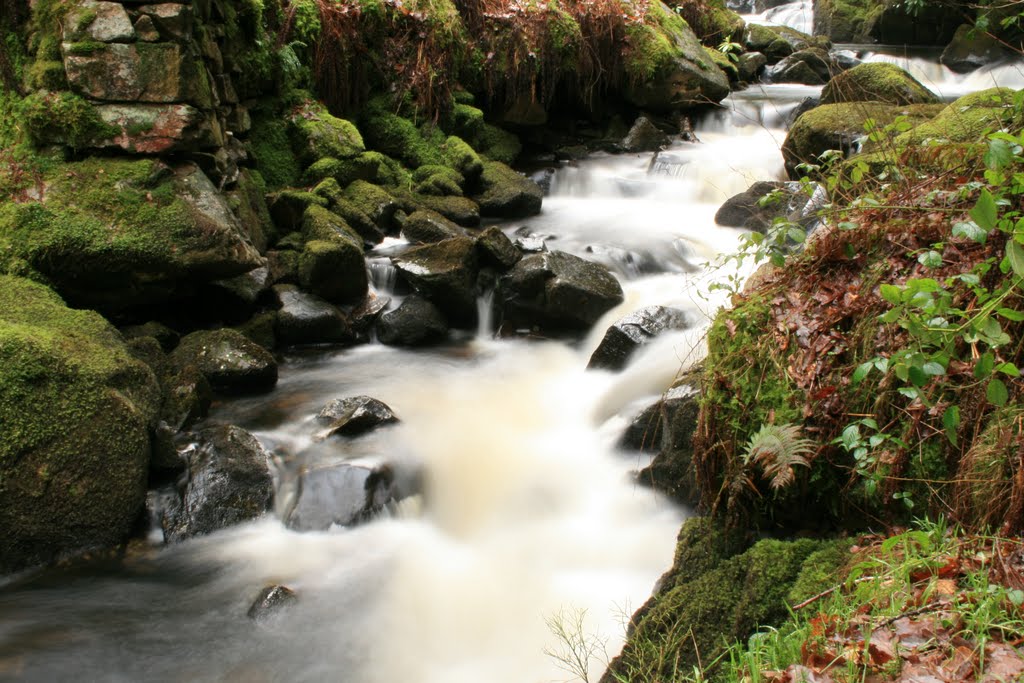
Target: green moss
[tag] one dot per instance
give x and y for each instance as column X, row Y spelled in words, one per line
column 83, row 48
column 398, row 137
column 46, row 75
column 438, row 180
column 63, row 117
column 306, row 22
column 271, row 147
column 75, row 407
column 499, row 145
column 722, row 599
column 878, row 82
column 320, row 224
column 967, row 119
column 822, row 569
column 722, row 61
column 460, row 156
column 317, row 134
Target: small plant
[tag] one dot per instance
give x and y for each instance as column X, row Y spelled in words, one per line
column 776, row 450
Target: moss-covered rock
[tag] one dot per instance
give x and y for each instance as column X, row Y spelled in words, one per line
column 399, row 137
column 334, row 270
column 877, row 82
column 498, row 144
column 713, row 596
column 75, row 415
column 375, row 202
column 248, row 200
column 967, row 119
column 114, row 233
column 272, row 150
column 439, row 180
column 971, row 49
column 317, row 134
column 426, row 226
column 839, row 127
column 667, row 66
column 507, row 194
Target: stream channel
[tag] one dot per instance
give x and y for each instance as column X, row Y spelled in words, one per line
column 529, row 511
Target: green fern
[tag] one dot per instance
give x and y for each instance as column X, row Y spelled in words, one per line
column 777, row 449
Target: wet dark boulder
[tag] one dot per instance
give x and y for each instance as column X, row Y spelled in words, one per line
column 556, row 292
column 303, row 318
column 416, row 322
column 270, row 601
column 444, row 273
column 344, row 494
column 644, row 136
column 972, row 49
column 750, row 66
column 228, row 482
column 76, row 413
column 229, row 361
column 669, row 429
column 810, row 66
column 505, row 193
column 627, row 335
column 426, row 226
column 354, row 415
column 496, row 249
column 757, row 207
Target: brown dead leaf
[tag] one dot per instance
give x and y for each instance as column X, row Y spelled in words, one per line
column 1003, row 664
column 802, row 674
column 944, row 588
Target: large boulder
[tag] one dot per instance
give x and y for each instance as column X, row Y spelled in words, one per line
column 228, row 482
column 668, row 67
column 627, row 335
column 229, row 361
column 810, row 66
column 877, row 82
column 889, row 22
column 445, row 274
column 343, row 495
column 967, row 119
column 316, row 134
column 75, row 416
column 971, row 49
column 507, row 194
column 113, row 234
column 556, row 292
column 137, row 72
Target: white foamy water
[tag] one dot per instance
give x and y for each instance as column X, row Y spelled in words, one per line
column 798, row 15
column 946, row 83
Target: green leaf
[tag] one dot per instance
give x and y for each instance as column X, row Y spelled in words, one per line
column 1015, row 596
column 909, row 392
column 934, row 369
column 918, row 376
column 983, row 368
column 970, row 230
column 1008, row 369
column 996, row 393
column 796, row 234
column 930, row 259
column 984, row 212
column 862, row 371
column 950, row 421
column 999, row 154
column 1015, row 253
column 890, row 293
column 1010, row 314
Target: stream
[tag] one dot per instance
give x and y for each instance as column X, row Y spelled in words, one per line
column 528, row 511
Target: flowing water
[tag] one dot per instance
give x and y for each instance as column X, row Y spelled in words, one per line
column 798, row 15
column 528, row 511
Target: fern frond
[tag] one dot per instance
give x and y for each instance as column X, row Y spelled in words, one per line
column 776, row 450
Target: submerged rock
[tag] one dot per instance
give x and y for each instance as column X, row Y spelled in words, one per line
column 671, row 434
column 354, row 415
column 228, row 482
column 271, row 600
column 627, row 335
column 342, row 495
column 557, row 292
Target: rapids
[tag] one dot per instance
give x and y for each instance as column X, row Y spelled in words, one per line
column 528, row 511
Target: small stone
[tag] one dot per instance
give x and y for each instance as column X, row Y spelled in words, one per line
column 354, row 415
column 271, row 600
column 644, row 136
column 146, row 30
